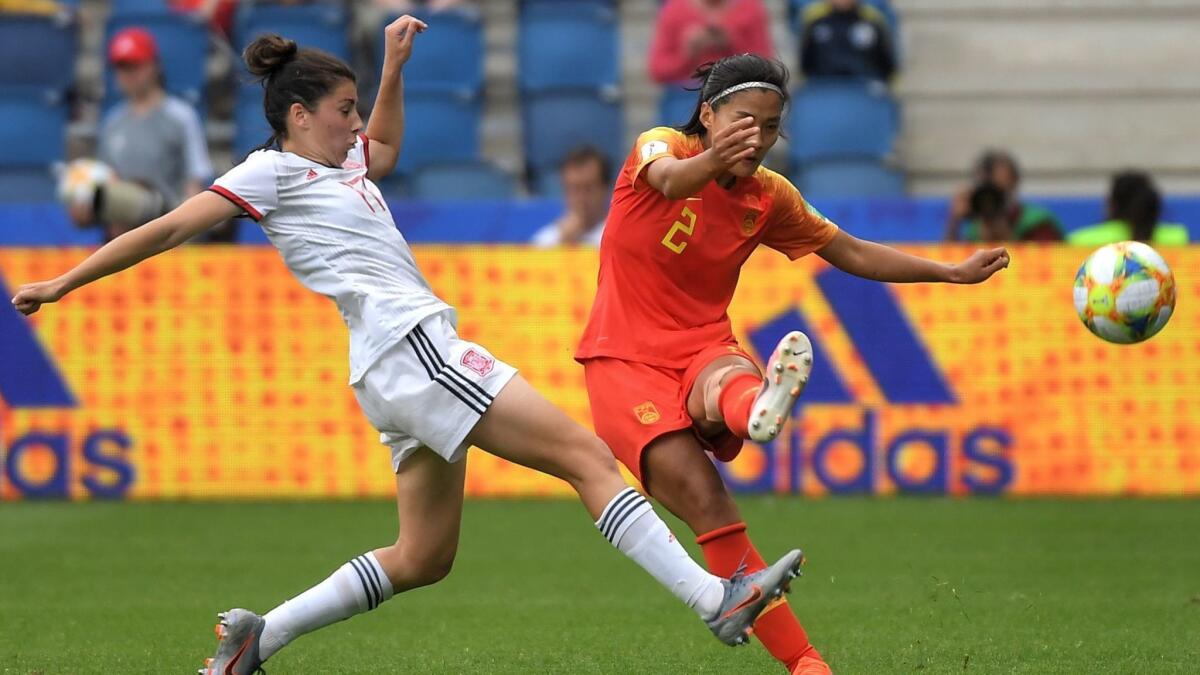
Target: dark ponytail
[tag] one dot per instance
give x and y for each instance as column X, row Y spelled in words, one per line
column 716, row 77
column 290, row 75
column 1134, row 199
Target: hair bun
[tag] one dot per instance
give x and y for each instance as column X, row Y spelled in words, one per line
column 268, row 53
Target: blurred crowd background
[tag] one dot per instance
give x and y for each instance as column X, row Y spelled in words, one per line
column 921, row 120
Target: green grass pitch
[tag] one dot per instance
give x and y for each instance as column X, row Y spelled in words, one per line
column 892, row 586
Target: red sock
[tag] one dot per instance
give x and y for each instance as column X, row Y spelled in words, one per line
column 735, row 400
column 725, row 549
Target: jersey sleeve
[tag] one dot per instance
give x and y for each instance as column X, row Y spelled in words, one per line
column 251, row 185
column 795, row 228
column 362, row 151
column 655, row 144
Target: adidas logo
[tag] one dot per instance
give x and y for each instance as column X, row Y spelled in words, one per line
column 311, row 175
column 30, row 378
column 975, row 460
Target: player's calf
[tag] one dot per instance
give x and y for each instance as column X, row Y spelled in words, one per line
column 410, row 564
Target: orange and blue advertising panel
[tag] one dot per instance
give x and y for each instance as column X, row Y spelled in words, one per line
column 211, row 373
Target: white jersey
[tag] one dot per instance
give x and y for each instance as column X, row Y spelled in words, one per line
column 337, row 236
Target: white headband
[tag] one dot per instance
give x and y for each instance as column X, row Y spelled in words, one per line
column 746, row 85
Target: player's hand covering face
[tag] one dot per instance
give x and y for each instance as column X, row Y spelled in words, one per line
column 980, row 266
column 743, row 128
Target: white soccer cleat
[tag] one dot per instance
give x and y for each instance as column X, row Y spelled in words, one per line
column 787, row 373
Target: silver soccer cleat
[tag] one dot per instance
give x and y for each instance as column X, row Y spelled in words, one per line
column 787, row 373
column 238, row 632
column 746, row 595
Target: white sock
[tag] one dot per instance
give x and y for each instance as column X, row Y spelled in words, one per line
column 630, row 524
column 356, row 587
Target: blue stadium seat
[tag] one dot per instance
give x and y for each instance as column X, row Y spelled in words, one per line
column 318, row 25
column 464, row 181
column 568, row 44
column 676, row 105
column 27, row 184
column 141, row 7
column 440, row 127
column 37, row 51
column 450, row 56
column 182, row 46
column 554, row 122
column 601, row 3
column 849, row 178
column 33, row 127
column 250, row 128
column 839, row 118
column 395, row 185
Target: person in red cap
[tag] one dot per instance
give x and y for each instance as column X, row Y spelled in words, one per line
column 153, row 142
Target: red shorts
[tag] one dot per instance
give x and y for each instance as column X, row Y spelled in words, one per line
column 634, row 403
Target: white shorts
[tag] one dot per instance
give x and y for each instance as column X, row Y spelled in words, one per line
column 430, row 389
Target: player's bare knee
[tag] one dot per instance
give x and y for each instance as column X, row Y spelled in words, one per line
column 704, row 405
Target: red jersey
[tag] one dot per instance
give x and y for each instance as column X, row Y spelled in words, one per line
column 668, row 268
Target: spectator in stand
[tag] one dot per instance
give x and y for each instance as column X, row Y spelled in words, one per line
column 1134, row 207
column 219, row 14
column 689, row 33
column 846, row 38
column 989, row 213
column 407, row 6
column 151, row 141
column 586, row 176
column 976, row 216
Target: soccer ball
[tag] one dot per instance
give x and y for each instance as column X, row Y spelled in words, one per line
column 1125, row 292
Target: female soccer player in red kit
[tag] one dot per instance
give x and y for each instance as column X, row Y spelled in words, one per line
column 666, row 378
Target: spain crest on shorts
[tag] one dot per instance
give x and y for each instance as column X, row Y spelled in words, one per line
column 647, row 413
column 480, row 363
column 749, row 220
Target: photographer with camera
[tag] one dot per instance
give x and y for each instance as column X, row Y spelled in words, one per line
column 990, row 208
column 151, row 153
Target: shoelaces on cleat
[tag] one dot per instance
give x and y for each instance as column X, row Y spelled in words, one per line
column 741, row 568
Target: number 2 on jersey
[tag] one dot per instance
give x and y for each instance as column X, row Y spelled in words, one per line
column 687, row 229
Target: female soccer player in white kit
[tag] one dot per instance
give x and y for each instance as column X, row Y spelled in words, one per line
column 429, row 393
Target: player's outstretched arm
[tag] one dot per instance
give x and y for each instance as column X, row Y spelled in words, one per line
column 884, row 263
column 385, row 131
column 204, row 211
column 683, row 178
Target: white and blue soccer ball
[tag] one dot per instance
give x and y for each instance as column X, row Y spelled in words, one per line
column 1125, row 293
